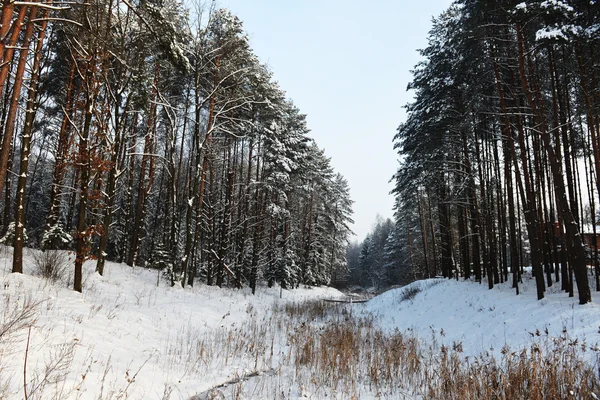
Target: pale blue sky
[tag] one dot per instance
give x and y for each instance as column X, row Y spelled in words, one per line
column 345, row 63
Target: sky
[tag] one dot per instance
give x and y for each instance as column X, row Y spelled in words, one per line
column 346, row 64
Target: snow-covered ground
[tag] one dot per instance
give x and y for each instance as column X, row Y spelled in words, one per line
column 127, row 337
column 483, row 319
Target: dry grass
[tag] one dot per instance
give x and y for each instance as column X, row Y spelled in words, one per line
column 552, row 368
column 50, row 264
column 327, row 351
column 340, row 354
column 18, row 314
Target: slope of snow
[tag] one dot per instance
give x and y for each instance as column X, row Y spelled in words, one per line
column 485, row 320
column 127, row 337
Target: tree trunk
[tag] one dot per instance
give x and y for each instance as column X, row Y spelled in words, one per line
column 473, row 211
column 115, row 154
column 16, row 94
column 30, row 113
column 81, row 249
column 144, row 183
column 573, row 237
column 445, row 232
column 7, row 48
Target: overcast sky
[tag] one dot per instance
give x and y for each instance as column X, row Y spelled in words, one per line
column 345, row 63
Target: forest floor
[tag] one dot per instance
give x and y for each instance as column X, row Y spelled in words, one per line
column 127, row 337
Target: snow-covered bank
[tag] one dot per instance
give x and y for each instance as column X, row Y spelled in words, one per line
column 483, row 319
column 126, row 337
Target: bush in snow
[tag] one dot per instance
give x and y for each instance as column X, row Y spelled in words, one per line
column 56, row 238
column 50, row 264
column 9, row 237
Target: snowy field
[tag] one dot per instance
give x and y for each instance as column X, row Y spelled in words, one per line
column 126, row 337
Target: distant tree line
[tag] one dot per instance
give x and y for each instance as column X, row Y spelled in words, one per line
column 500, row 153
column 149, row 134
column 378, row 262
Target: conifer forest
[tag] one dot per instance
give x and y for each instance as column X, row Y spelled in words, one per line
column 171, row 229
column 499, row 155
column 150, row 134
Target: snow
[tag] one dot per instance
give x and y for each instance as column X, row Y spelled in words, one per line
column 550, row 33
column 589, row 228
column 486, row 320
column 127, row 337
column 521, row 6
column 556, row 4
